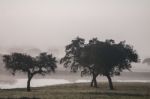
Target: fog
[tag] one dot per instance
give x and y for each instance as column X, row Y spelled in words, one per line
column 33, row 26
column 48, row 24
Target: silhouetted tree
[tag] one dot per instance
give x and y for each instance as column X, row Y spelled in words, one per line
column 110, row 58
column 41, row 64
column 105, row 58
column 87, row 60
column 73, row 51
column 74, row 58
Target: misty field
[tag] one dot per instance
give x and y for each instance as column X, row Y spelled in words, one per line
column 81, row 91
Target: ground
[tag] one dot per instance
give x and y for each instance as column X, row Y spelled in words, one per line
column 81, row 91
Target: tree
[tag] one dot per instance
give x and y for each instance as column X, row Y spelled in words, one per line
column 110, row 58
column 87, row 60
column 105, row 58
column 147, row 61
column 74, row 58
column 41, row 64
column 73, row 51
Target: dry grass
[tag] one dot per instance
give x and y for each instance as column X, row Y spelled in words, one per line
column 82, row 91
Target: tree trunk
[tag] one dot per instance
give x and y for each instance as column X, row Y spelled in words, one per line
column 94, row 82
column 110, row 82
column 28, row 82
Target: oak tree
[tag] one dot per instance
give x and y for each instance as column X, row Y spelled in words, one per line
column 42, row 64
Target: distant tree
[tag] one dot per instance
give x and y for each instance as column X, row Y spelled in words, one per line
column 105, row 58
column 147, row 61
column 41, row 64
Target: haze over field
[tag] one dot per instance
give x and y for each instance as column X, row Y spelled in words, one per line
column 34, row 26
column 53, row 23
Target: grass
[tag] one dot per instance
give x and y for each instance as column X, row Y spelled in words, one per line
column 81, row 91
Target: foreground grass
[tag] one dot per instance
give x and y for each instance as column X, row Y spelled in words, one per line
column 81, row 91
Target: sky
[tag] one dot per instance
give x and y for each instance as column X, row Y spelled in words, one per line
column 54, row 23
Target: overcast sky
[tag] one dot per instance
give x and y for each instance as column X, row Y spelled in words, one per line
column 49, row 23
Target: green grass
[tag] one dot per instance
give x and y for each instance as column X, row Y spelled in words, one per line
column 82, row 91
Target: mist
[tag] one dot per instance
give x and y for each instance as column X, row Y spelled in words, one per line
column 47, row 24
column 35, row 26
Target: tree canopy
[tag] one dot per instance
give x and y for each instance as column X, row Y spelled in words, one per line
column 73, row 51
column 42, row 64
column 105, row 58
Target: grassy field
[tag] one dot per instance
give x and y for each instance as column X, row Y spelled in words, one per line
column 81, row 91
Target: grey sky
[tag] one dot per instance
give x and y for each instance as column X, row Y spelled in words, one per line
column 48, row 23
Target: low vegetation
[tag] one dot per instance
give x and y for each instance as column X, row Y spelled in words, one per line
column 81, row 91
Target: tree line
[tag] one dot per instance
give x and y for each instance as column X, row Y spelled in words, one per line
column 104, row 58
